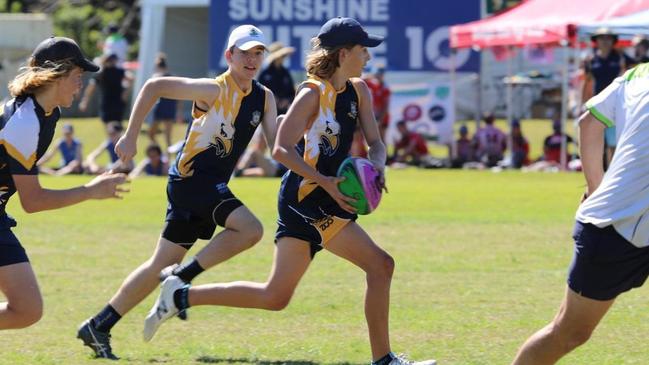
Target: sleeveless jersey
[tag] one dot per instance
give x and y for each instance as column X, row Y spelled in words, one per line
column 329, row 138
column 216, row 139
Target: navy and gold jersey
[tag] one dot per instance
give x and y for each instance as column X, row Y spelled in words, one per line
column 306, row 210
column 25, row 135
column 329, row 138
column 216, row 139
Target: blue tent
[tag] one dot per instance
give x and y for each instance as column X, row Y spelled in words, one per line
column 625, row 26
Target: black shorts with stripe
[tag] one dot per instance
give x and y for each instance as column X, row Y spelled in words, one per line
column 195, row 208
column 316, row 219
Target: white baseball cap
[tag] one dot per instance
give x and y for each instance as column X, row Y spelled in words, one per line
column 246, row 37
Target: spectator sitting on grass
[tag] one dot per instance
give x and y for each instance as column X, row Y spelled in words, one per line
column 411, row 148
column 155, row 163
column 464, row 151
column 520, row 146
column 490, row 142
column 71, row 160
column 114, row 130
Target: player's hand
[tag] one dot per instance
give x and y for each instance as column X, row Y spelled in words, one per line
column 380, row 180
column 83, row 105
column 126, row 148
column 107, row 185
column 330, row 184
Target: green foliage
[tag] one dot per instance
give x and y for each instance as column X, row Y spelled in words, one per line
column 86, row 23
column 84, row 20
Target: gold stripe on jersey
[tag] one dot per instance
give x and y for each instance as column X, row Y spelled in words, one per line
column 214, row 129
column 15, row 153
column 322, row 136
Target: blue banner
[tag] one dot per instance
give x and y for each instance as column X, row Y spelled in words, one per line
column 416, row 31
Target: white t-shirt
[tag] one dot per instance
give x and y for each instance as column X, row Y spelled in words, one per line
column 117, row 45
column 622, row 198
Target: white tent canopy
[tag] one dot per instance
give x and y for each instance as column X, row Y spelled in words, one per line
column 626, row 26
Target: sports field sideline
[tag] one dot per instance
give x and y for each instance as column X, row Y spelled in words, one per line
column 481, row 262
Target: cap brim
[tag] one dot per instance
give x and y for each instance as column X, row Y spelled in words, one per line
column 372, row 40
column 249, row 45
column 87, row 65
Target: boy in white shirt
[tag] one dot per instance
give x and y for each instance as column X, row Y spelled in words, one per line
column 612, row 223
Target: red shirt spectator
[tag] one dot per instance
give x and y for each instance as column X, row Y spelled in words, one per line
column 552, row 144
column 380, row 96
column 411, row 145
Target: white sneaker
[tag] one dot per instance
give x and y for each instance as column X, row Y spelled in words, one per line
column 403, row 360
column 164, row 308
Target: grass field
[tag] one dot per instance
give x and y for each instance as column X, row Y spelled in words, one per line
column 481, row 262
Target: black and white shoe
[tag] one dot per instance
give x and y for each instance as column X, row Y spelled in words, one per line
column 98, row 341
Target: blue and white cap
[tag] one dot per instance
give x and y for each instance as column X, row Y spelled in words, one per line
column 246, row 37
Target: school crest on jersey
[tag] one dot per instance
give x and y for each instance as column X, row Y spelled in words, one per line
column 256, row 118
column 328, row 133
column 353, row 110
column 222, row 141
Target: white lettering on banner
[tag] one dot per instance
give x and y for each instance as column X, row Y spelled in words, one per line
column 303, row 10
column 259, row 9
column 358, row 9
column 431, row 49
column 324, row 9
column 281, row 10
column 379, row 11
column 237, row 9
column 308, row 10
column 415, row 36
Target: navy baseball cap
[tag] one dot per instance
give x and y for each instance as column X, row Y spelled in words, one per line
column 342, row 31
column 55, row 49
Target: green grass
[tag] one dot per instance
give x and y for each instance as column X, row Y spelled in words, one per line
column 481, row 264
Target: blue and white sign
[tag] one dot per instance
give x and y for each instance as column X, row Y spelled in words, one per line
column 416, row 31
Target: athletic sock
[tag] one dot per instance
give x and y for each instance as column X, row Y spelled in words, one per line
column 181, row 298
column 106, row 319
column 385, row 360
column 188, row 271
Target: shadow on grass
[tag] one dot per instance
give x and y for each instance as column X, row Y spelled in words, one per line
column 216, row 360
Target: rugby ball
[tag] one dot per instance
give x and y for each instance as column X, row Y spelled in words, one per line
column 361, row 183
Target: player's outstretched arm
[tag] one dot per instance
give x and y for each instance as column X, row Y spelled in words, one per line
column 290, row 130
column 179, row 88
column 377, row 151
column 269, row 124
column 591, row 149
column 34, row 198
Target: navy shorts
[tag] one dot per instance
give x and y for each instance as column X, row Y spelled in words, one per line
column 11, row 251
column 165, row 109
column 605, row 264
column 314, row 223
column 195, row 209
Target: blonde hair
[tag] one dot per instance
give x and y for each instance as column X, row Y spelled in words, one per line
column 321, row 61
column 33, row 77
